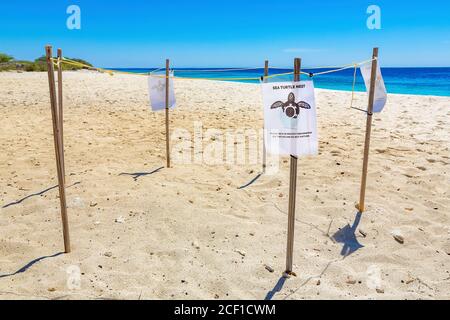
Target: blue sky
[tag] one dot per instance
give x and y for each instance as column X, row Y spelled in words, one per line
column 142, row 33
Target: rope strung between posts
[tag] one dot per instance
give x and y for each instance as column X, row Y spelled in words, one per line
column 82, row 65
column 345, row 67
column 156, row 70
column 228, row 69
column 111, row 72
column 60, row 60
column 310, row 74
column 237, row 79
column 216, row 70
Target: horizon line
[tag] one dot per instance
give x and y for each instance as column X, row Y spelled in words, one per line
column 250, row 68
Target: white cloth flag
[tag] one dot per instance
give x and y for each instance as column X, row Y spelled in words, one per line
column 290, row 118
column 157, row 92
column 380, row 97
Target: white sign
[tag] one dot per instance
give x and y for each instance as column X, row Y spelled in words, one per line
column 380, row 97
column 290, row 118
column 157, row 92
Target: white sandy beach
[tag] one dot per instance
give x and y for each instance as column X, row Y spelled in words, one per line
column 188, row 232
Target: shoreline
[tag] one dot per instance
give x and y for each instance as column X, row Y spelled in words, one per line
column 249, row 83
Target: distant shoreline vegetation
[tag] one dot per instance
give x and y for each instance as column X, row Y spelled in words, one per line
column 8, row 63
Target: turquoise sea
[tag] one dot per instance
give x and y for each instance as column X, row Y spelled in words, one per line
column 418, row 81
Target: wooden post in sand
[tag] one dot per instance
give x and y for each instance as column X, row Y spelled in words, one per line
column 167, row 115
column 57, row 142
column 373, row 76
column 292, row 194
column 60, row 114
column 266, row 73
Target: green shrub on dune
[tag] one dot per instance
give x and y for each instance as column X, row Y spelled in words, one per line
column 7, row 63
column 5, row 58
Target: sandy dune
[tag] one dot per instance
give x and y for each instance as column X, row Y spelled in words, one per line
column 188, row 231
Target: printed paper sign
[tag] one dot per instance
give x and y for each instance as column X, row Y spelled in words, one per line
column 380, row 97
column 157, row 92
column 290, row 118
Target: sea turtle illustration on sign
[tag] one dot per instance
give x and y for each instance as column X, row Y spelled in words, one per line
column 291, row 110
column 160, row 86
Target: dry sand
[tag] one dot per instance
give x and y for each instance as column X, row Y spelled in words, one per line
column 188, row 231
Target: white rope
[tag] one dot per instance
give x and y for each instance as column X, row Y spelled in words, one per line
column 216, row 70
column 156, row 70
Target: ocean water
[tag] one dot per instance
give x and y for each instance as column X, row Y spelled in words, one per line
column 418, row 81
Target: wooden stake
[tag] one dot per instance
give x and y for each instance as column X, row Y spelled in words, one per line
column 292, row 193
column 60, row 116
column 56, row 140
column 167, row 115
column 373, row 76
column 266, row 73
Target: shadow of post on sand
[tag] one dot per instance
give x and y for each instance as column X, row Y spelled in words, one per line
column 347, row 236
column 35, row 195
column 251, row 181
column 137, row 175
column 278, row 287
column 29, row 265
